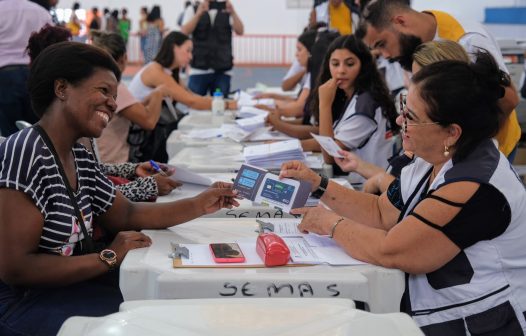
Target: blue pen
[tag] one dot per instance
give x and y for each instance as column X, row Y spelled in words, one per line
column 156, row 167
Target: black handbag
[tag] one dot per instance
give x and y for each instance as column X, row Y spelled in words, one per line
column 151, row 145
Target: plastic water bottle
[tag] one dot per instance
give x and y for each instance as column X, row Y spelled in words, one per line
column 218, row 103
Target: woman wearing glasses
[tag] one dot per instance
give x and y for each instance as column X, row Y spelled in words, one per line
column 455, row 218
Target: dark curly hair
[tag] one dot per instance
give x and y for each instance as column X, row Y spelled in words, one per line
column 45, row 37
column 71, row 61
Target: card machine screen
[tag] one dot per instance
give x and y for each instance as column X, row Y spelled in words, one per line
column 277, row 191
column 249, row 175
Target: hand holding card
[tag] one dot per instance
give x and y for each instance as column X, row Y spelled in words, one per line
column 328, row 144
column 263, row 187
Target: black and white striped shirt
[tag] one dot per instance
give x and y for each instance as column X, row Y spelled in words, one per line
column 27, row 165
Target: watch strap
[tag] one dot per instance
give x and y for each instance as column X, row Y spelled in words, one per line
column 318, row 193
column 111, row 262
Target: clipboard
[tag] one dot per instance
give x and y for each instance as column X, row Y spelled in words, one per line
column 177, row 262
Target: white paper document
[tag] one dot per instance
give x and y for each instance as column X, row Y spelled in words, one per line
column 187, row 176
column 309, row 248
column 273, row 155
column 245, row 99
column 251, row 111
column 283, row 228
column 314, row 249
column 252, row 123
column 328, row 144
column 265, row 134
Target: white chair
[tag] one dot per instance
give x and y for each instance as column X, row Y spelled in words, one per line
column 232, row 317
column 21, row 124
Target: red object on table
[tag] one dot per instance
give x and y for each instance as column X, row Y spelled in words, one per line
column 272, row 249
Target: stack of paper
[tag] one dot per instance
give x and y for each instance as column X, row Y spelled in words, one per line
column 273, row 155
column 250, row 124
column 266, row 134
column 250, row 111
column 244, row 99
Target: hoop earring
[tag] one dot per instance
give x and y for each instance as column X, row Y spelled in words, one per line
column 446, row 151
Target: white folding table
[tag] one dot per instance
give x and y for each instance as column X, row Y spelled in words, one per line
column 148, row 273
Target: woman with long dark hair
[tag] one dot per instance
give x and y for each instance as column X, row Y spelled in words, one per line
column 352, row 103
column 175, row 53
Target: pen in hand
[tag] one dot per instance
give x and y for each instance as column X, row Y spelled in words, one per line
column 156, row 167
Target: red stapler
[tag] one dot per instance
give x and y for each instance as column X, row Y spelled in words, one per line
column 272, row 249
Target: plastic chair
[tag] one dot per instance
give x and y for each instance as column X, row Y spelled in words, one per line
column 21, row 124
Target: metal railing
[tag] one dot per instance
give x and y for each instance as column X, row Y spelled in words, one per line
column 248, row 50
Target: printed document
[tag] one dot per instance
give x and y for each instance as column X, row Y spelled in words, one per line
column 328, row 144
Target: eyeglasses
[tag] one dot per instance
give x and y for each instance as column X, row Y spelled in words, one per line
column 408, row 119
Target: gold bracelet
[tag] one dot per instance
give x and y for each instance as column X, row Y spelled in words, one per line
column 334, row 226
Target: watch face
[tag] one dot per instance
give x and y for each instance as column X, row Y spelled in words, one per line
column 108, row 254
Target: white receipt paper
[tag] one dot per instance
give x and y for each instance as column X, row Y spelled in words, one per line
column 328, row 144
column 186, row 176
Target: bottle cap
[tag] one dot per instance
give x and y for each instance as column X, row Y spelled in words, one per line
column 218, row 93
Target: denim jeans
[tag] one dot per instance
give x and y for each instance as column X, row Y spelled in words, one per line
column 41, row 311
column 208, row 83
column 14, row 98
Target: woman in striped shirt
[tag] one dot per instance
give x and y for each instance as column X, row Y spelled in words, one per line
column 52, row 194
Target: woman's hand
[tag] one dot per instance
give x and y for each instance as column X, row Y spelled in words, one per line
column 299, row 171
column 219, row 195
column 350, row 161
column 128, row 240
column 165, row 184
column 145, row 169
column 273, row 119
column 327, row 92
column 203, row 8
column 316, row 220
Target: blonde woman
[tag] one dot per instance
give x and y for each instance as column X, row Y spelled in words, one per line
column 434, row 51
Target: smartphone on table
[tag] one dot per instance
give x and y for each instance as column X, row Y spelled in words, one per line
column 227, row 253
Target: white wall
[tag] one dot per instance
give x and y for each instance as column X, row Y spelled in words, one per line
column 467, row 9
column 272, row 16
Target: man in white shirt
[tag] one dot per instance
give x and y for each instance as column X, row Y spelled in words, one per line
column 211, row 29
column 395, row 30
column 19, row 19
